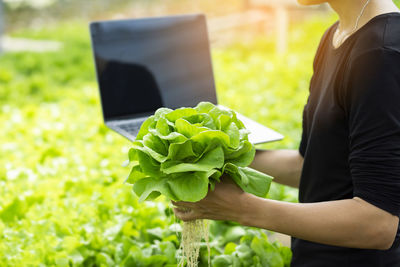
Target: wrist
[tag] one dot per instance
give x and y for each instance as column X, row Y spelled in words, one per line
column 246, row 212
column 259, row 212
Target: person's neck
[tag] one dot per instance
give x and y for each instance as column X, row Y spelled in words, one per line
column 350, row 10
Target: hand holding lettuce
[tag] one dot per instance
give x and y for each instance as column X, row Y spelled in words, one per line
column 179, row 153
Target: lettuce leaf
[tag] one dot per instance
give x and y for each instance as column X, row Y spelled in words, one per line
column 182, row 153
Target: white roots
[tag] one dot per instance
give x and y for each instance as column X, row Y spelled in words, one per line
column 192, row 234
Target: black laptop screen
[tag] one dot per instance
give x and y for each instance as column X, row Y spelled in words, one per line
column 144, row 64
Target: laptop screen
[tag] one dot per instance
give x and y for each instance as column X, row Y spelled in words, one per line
column 144, row 64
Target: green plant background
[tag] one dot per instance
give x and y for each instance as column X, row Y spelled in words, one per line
column 62, row 197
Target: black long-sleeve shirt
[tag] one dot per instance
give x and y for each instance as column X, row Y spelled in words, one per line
column 351, row 135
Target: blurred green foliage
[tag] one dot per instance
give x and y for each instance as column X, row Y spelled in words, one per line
column 62, row 197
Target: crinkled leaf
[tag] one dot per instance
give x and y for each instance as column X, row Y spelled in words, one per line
column 238, row 122
column 212, row 136
column 204, row 107
column 161, row 112
column 151, row 153
column 144, row 128
column 173, row 137
column 203, row 119
column 135, row 174
column 211, row 160
column 179, row 113
column 216, row 112
column 163, row 127
column 242, row 156
column 187, row 129
column 180, row 151
column 233, row 131
column 149, row 165
column 223, row 121
column 155, row 147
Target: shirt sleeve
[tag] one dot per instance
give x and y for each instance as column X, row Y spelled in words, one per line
column 373, row 110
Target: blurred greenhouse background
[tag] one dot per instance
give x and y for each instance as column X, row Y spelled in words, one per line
column 62, row 197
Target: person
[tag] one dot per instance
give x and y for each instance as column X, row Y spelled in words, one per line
column 347, row 167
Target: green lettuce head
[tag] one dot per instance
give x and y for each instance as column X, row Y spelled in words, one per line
column 179, row 153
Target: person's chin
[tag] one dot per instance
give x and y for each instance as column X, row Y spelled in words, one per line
column 311, row 2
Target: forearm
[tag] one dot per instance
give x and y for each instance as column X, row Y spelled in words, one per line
column 284, row 165
column 347, row 223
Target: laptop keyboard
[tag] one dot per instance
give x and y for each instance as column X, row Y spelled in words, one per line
column 130, row 127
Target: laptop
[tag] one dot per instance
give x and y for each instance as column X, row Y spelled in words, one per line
column 148, row 63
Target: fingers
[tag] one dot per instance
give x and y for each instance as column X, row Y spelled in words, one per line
column 184, row 204
column 185, row 211
column 186, row 215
